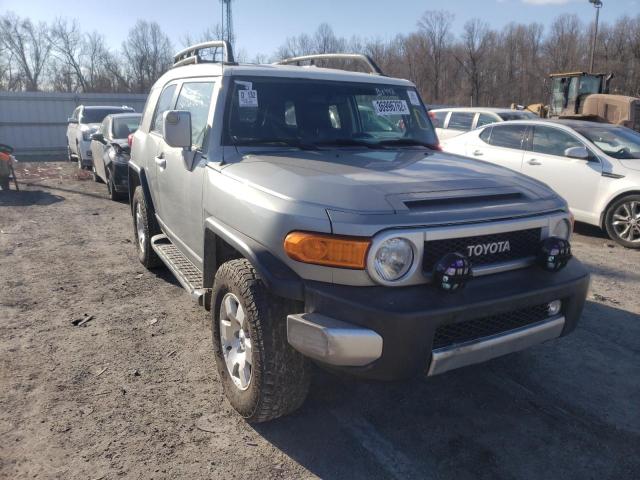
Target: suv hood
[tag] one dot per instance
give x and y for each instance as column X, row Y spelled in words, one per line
column 390, row 181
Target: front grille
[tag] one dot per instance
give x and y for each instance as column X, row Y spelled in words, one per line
column 455, row 333
column 522, row 244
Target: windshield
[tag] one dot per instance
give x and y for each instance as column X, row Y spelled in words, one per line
column 508, row 116
column 617, row 142
column 124, row 126
column 308, row 114
column 96, row 115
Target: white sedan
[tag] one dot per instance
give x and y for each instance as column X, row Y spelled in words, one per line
column 594, row 166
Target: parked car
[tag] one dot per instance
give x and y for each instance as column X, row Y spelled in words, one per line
column 110, row 152
column 451, row 122
column 84, row 121
column 594, row 166
column 314, row 236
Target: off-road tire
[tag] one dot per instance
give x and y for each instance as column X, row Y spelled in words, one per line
column 280, row 375
column 608, row 220
column 146, row 254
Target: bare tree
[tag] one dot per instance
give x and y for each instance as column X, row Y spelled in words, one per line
column 148, row 54
column 435, row 26
column 28, row 45
column 476, row 42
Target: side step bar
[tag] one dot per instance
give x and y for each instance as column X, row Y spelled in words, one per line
column 189, row 276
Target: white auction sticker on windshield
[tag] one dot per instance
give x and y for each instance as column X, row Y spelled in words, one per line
column 413, row 97
column 391, row 107
column 248, row 98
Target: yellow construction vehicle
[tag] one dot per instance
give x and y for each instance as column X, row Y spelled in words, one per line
column 585, row 96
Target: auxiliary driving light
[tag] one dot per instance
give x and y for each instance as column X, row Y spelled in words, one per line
column 452, row 272
column 554, row 254
column 554, row 308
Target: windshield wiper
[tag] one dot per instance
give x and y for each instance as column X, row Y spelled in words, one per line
column 269, row 142
column 346, row 142
column 405, row 142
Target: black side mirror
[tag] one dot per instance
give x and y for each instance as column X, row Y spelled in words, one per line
column 98, row 137
column 71, row 120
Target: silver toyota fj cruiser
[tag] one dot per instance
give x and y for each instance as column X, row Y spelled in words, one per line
column 312, row 212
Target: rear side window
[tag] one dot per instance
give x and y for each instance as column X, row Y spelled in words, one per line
column 508, row 136
column 461, row 120
column 438, row 119
column 485, row 136
column 551, row 141
column 484, row 119
column 195, row 98
column 164, row 104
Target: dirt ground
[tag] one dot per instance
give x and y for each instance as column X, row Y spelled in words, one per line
column 133, row 393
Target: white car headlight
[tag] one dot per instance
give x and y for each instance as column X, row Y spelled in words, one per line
column 562, row 229
column 393, row 259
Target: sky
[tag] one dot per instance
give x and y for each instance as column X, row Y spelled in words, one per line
column 262, row 26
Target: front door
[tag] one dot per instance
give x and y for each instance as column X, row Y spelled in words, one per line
column 576, row 180
column 180, row 174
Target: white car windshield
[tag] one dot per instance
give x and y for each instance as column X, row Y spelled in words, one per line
column 617, row 142
column 310, row 114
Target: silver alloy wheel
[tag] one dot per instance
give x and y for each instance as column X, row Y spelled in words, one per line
column 235, row 341
column 626, row 221
column 140, row 227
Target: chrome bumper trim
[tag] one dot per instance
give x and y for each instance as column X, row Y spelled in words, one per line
column 332, row 341
column 481, row 350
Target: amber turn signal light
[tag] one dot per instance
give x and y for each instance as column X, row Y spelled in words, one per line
column 328, row 250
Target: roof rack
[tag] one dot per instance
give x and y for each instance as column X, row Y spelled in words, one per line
column 365, row 60
column 192, row 54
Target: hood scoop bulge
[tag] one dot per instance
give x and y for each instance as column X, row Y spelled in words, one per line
column 456, row 200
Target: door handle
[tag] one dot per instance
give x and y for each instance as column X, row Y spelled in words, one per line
column 161, row 161
column 478, row 153
column 533, row 161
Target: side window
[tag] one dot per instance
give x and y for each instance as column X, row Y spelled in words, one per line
column 552, row 141
column 164, row 104
column 196, row 98
column 438, row 119
column 485, row 136
column 485, row 119
column 461, row 120
column 507, row 136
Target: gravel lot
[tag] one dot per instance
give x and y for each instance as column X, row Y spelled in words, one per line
column 133, row 393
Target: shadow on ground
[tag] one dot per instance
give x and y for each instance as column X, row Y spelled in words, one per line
column 564, row 409
column 590, row 231
column 11, row 198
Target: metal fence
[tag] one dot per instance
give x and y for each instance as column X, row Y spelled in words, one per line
column 35, row 123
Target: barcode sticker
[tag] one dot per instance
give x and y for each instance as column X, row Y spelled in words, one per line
column 391, row 107
column 248, row 98
column 413, row 97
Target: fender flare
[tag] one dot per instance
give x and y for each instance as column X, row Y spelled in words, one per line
column 275, row 274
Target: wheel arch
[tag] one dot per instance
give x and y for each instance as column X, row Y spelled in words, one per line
column 223, row 243
column 612, row 200
column 138, row 177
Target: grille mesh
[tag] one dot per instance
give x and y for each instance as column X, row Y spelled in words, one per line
column 523, row 243
column 454, row 333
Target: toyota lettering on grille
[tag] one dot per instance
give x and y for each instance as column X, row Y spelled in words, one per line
column 488, row 248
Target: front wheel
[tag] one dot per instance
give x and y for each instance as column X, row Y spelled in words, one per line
column 145, row 227
column 262, row 375
column 622, row 221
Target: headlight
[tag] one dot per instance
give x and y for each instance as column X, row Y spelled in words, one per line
column 562, row 229
column 393, row 259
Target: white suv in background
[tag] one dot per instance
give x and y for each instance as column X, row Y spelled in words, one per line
column 83, row 122
column 451, row 122
column 594, row 166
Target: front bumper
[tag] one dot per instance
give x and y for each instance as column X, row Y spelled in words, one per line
column 120, row 176
column 406, row 320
